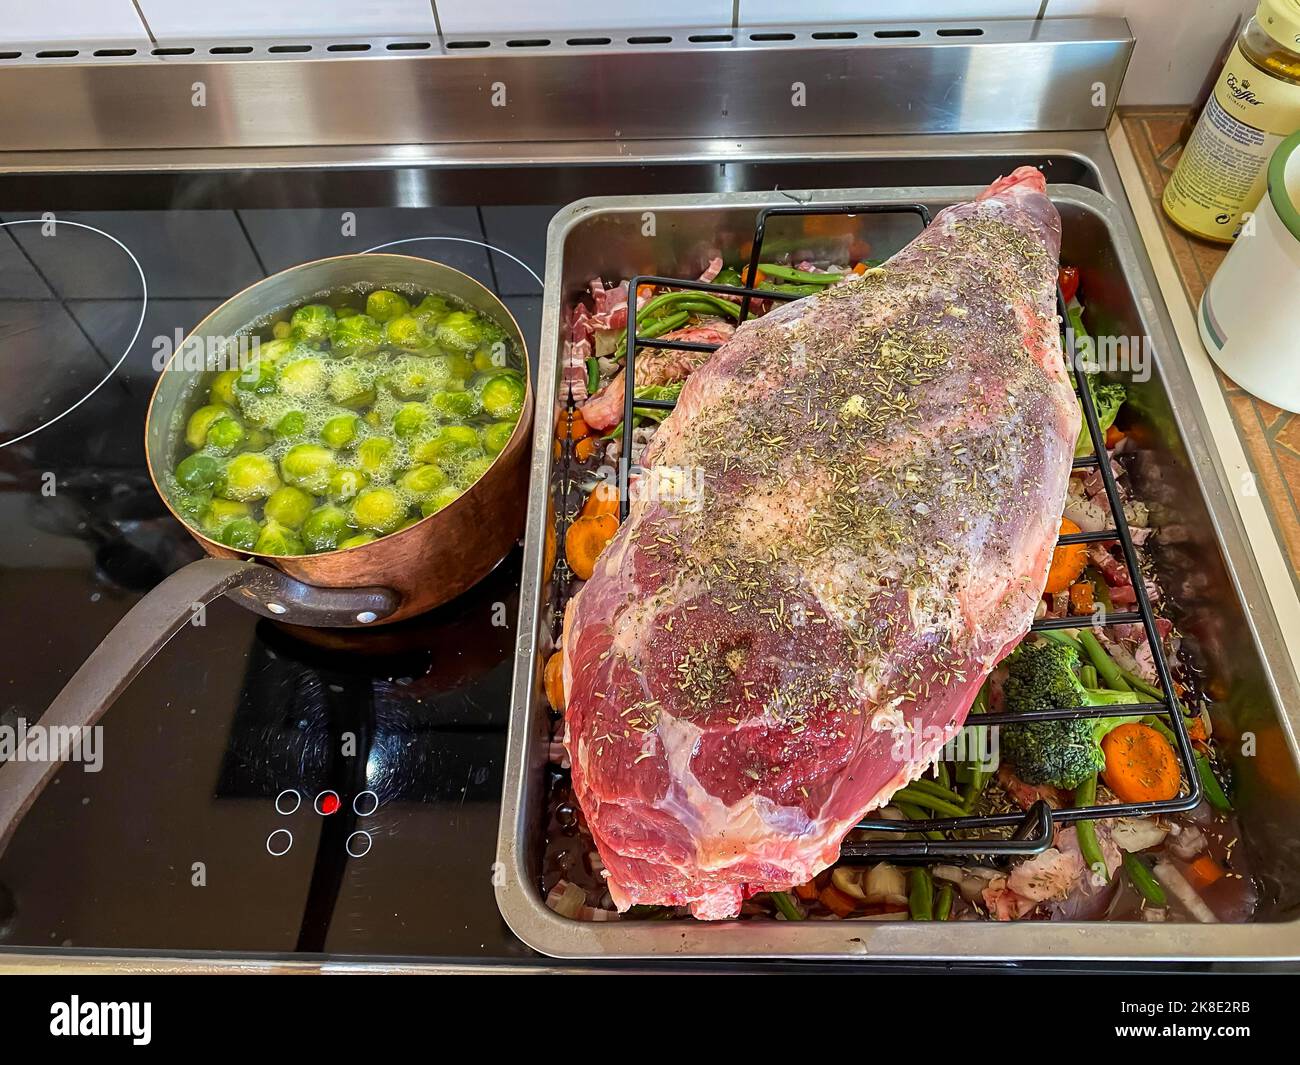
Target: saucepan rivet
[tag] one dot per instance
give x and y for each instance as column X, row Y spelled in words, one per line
column 367, row 616
column 276, row 608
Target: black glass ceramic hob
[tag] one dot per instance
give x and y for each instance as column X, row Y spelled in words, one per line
column 262, row 791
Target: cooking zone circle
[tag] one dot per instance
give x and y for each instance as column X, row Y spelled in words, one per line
column 18, row 333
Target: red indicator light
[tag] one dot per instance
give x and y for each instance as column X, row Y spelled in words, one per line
column 328, row 803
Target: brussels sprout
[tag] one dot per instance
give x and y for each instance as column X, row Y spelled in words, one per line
column 431, row 310
column 345, row 484
column 222, row 390
column 277, row 540
column 324, row 528
column 422, row 481
column 374, row 454
column 289, row 506
column 225, row 434
column 308, row 466
column 198, row 472
column 219, row 513
column 455, row 404
column 410, row 378
column 409, row 522
column 439, row 499
column 345, row 312
column 291, row 425
column 503, row 395
column 281, row 330
column 272, row 351
column 410, row 419
column 312, row 323
column 491, row 358
column 357, row 334
column 196, row 429
column 379, row 510
column 407, row 333
column 496, row 436
column 191, row 505
column 241, row 534
column 258, row 378
column 359, row 540
column 340, row 430
column 451, row 368
column 466, row 330
column 303, row 378
column 449, row 444
column 250, row 476
column 349, row 387
column 384, row 306
column 256, row 440
column 472, row 470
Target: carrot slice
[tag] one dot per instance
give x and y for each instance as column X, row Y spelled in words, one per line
column 553, row 678
column 1068, row 561
column 571, row 425
column 1082, row 597
column 603, row 500
column 860, row 268
column 585, row 448
column 807, row 892
column 585, row 540
column 836, row 901
column 1205, row 871
column 1113, row 436
column 1140, row 764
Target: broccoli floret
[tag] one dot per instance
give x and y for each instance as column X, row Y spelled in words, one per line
column 1107, row 396
column 1043, row 675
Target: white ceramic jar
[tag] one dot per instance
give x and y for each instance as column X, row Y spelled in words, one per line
column 1250, row 314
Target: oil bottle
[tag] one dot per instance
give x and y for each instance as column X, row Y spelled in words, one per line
column 1255, row 104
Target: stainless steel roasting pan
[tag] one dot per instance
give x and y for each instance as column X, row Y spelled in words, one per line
column 1211, row 582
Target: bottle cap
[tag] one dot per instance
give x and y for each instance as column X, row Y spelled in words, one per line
column 1280, row 19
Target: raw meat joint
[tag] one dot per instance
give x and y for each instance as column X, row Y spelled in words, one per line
column 885, row 466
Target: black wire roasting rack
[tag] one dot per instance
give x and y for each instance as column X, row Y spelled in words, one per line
column 1030, row 832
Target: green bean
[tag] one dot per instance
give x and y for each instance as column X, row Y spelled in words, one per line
column 920, row 895
column 928, row 801
column 931, row 787
column 800, row 277
column 915, row 813
column 1062, row 636
column 789, row 910
column 1085, row 795
column 593, row 376
column 1088, row 676
column 943, row 904
column 1107, row 668
column 1151, row 690
column 1140, row 876
column 654, row 327
column 1214, row 793
column 944, row 781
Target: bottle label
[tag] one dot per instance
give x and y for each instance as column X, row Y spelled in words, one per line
column 1224, row 168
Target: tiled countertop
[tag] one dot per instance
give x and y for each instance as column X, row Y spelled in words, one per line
column 1269, row 436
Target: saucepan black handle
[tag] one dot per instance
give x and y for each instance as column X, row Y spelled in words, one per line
column 154, row 620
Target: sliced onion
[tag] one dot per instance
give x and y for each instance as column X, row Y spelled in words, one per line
column 1137, row 833
column 1173, row 880
column 884, row 882
column 849, row 881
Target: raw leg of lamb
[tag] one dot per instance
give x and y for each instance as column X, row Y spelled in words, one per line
column 842, row 528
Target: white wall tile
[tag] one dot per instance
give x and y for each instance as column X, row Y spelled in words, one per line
column 175, row 20
column 1177, row 42
column 70, row 20
column 766, row 12
column 511, row 16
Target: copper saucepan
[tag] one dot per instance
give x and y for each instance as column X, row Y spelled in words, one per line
column 391, row 578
